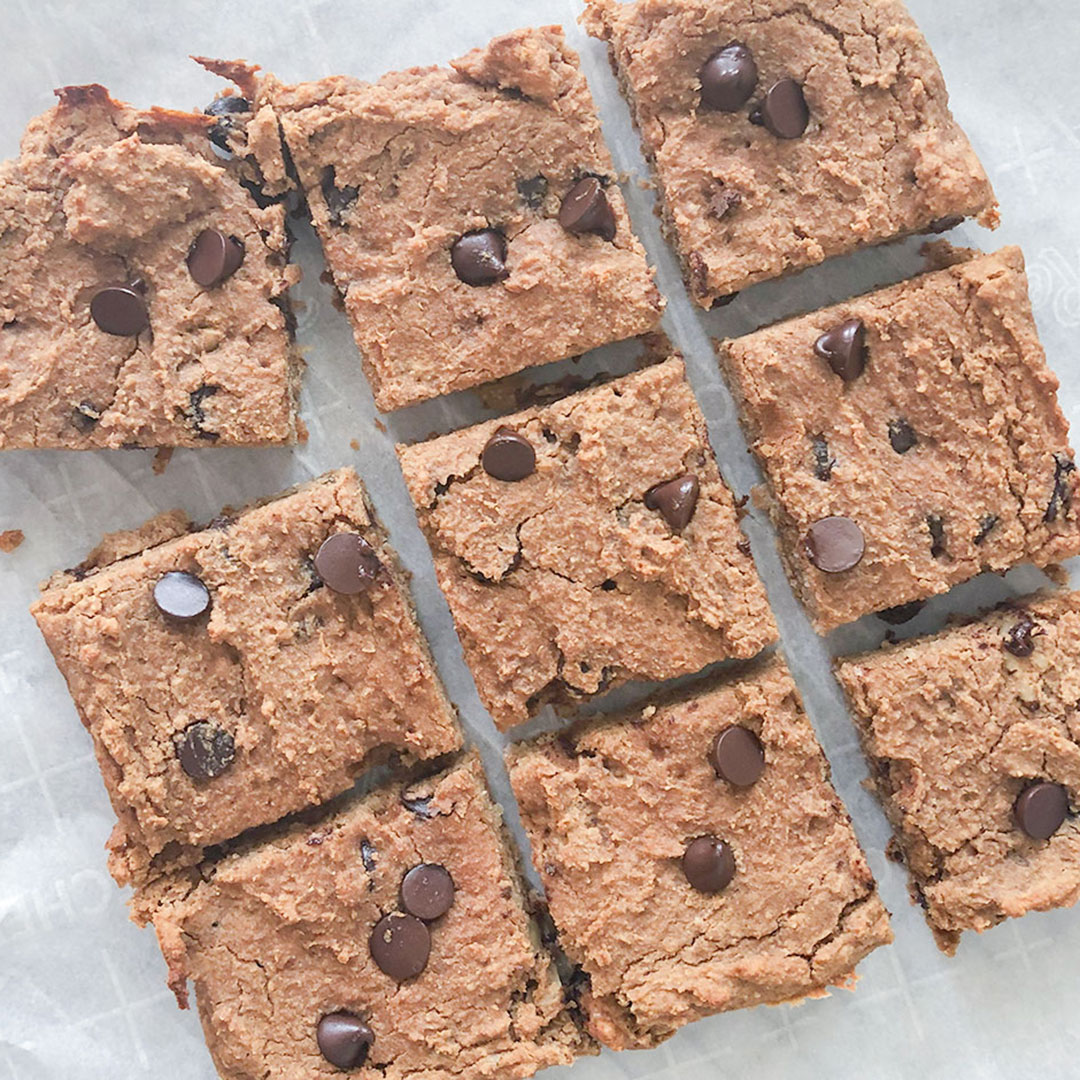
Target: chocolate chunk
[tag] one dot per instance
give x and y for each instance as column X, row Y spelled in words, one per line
column 418, row 805
column 1020, row 637
column 85, row 415
column 902, row 613
column 986, row 526
column 508, row 456
column 400, row 945
column 783, row 110
column 213, row 257
column 1041, row 809
column 120, row 310
column 709, row 864
column 367, row 855
column 181, row 596
column 195, row 410
column 427, row 891
column 1062, row 493
column 337, row 199
column 533, row 190
column 675, row 499
column 205, row 750
column 728, row 78
column 944, row 224
column 824, row 462
column 586, row 210
column 344, row 1040
column 902, row 436
column 479, row 258
column 227, row 105
column 835, row 544
column 738, row 756
column 347, row 563
column 843, row 348
column 936, row 524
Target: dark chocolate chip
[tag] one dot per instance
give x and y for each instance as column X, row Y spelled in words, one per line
column 85, row 415
column 728, row 78
column 367, row 855
column 213, row 257
column 1041, row 809
column 843, row 348
column 347, row 563
column 344, row 1040
column 824, row 462
column 479, row 258
column 219, row 138
column 400, row 945
column 586, row 210
column 944, row 224
column 533, row 190
column 1020, row 637
column 709, row 864
column 901, row 613
column 195, row 410
column 337, row 199
column 508, row 456
column 783, row 110
column 427, row 891
column 986, row 527
column 675, row 499
column 418, row 805
column 902, row 436
column 1061, row 497
column 181, row 596
column 205, row 750
column 835, row 544
column 938, row 544
column 227, row 105
column 738, row 756
column 120, row 310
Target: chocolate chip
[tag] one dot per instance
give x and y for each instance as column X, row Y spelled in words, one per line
column 205, row 750
column 738, row 756
column 419, row 805
column 1062, row 493
column 824, row 462
column 835, row 544
column 120, row 310
column 213, row 257
column 902, row 436
column 586, row 210
column 783, row 110
column 1041, row 809
column 1020, row 637
column 347, row 563
column 479, row 258
column 709, row 864
column 85, row 415
column 936, row 524
column 181, row 596
column 227, row 105
column 367, row 855
column 901, row 613
column 337, row 199
column 986, row 526
column 508, row 456
column 675, row 499
column 944, row 224
column 427, row 891
column 195, row 410
column 344, row 1040
column 843, row 348
column 400, row 945
column 728, row 78
column 533, row 190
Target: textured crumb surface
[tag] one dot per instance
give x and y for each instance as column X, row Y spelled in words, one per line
column 105, row 194
column 395, row 171
column 882, row 156
column 949, row 451
column 276, row 937
column 610, row 808
column 955, row 727
column 566, row 583
column 312, row 685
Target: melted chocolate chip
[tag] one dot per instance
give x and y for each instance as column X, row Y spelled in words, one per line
column 938, row 544
column 427, row 891
column 738, row 756
column 843, row 348
column 196, row 414
column 728, row 78
column 944, row 224
column 508, row 456
column 479, row 258
column 337, row 199
column 986, row 526
column 902, row 436
column 1020, row 637
column 709, row 864
column 205, row 750
column 1062, row 493
column 902, row 613
column 533, row 191
column 400, row 945
column 835, row 544
column 85, row 415
column 824, row 462
column 213, row 257
column 227, row 105
column 586, row 210
column 1041, row 809
column 120, row 310
column 181, row 596
column 676, row 500
column 344, row 1040
column 418, row 805
column 783, row 111
column 347, row 563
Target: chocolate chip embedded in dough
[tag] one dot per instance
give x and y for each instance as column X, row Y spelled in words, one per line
column 901, row 613
column 1061, row 496
column 337, row 199
column 676, row 500
column 586, row 210
column 479, row 258
column 843, row 348
column 1041, row 809
column 728, row 78
column 227, row 105
column 344, row 1040
column 709, row 864
column 427, row 891
column 835, row 544
column 935, row 523
column 181, row 596
column 533, row 190
column 120, row 310
column 400, row 944
column 213, row 257
column 738, row 756
column 902, row 436
column 944, row 224
column 783, row 111
column 824, row 462
column 508, row 456
column 347, row 563
column 205, row 750
column 1020, row 637
column 986, row 527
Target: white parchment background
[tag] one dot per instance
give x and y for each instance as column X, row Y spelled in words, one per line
column 82, row 993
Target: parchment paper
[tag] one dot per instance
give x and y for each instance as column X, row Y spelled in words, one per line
column 82, row 994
